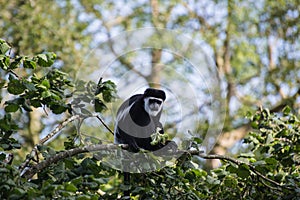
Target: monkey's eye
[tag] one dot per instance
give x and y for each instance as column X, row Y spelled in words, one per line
column 151, row 101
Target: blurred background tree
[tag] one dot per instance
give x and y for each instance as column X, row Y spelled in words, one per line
column 33, row 27
column 255, row 45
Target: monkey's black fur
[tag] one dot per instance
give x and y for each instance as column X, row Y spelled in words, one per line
column 134, row 125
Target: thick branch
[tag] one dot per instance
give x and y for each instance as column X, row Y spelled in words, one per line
column 65, row 154
column 102, row 147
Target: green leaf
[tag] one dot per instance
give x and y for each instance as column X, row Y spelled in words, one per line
column 230, row 181
column 4, row 62
column 286, row 110
column 46, row 60
column 46, row 83
column 55, row 96
column 190, row 176
column 16, row 63
column 77, row 180
column 271, row 161
column 29, row 64
column 99, row 105
column 197, row 140
column 35, row 103
column 83, row 197
column 259, row 163
column 26, row 106
column 17, row 193
column 247, row 155
column 11, row 108
column 231, row 169
column 58, row 109
column 42, row 60
column 70, row 187
column 4, row 47
column 42, row 57
column 243, row 171
column 15, row 87
column 42, row 87
column 30, row 86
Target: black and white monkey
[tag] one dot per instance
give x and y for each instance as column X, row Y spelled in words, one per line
column 138, row 118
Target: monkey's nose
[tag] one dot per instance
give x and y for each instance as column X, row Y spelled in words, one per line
column 154, row 107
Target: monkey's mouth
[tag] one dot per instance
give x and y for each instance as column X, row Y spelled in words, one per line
column 154, row 108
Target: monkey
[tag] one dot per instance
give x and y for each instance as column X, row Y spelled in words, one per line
column 138, row 118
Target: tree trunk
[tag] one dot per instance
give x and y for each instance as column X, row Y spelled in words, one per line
column 154, row 78
column 226, row 69
column 34, row 127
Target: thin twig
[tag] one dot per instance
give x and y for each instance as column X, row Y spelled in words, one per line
column 34, row 151
column 14, row 73
column 238, row 162
column 101, row 120
column 58, row 128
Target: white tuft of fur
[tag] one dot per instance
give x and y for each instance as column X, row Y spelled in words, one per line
column 154, row 108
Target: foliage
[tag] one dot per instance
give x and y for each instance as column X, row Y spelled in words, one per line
column 273, row 156
column 259, row 40
column 269, row 170
column 35, row 33
column 52, row 92
column 31, row 92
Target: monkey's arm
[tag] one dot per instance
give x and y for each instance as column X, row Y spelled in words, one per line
column 123, row 138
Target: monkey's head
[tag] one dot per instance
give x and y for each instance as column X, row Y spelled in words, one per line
column 153, row 101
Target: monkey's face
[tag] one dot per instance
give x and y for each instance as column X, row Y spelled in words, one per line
column 153, row 105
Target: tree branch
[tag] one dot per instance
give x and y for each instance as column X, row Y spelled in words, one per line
column 103, row 123
column 33, row 152
column 238, row 162
column 68, row 153
column 102, row 147
column 58, row 128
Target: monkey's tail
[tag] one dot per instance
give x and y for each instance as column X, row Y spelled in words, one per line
column 127, row 183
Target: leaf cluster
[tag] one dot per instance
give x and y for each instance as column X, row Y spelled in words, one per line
column 90, row 93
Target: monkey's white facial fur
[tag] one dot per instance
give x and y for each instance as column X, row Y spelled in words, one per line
column 153, row 105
